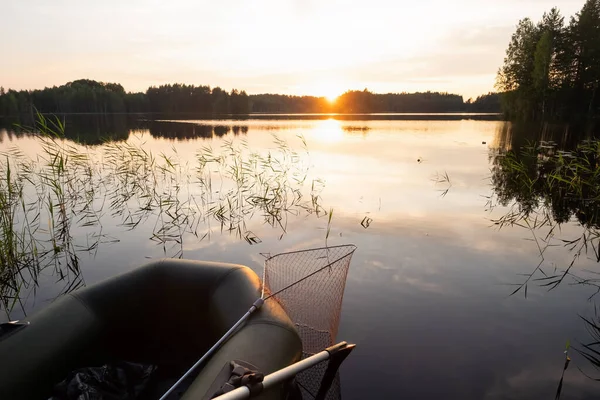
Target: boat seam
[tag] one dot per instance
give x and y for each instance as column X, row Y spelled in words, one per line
column 84, row 303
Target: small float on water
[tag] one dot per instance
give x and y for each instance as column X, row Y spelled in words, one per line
column 146, row 328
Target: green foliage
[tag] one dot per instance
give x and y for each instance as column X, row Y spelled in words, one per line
column 220, row 100
column 552, row 71
column 279, row 103
column 541, row 63
column 429, row 102
column 364, row 101
column 487, row 103
column 88, row 96
column 239, row 102
column 81, row 96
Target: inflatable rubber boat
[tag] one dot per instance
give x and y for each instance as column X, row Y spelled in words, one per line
column 166, row 314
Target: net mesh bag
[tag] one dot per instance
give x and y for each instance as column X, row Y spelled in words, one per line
column 309, row 285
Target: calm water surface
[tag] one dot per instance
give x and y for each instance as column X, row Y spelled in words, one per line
column 427, row 298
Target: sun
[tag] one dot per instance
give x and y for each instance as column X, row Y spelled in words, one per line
column 332, row 98
column 330, row 89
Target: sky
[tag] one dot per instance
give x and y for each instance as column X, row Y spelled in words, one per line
column 302, row 47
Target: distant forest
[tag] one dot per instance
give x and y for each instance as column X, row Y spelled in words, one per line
column 552, row 69
column 356, row 101
column 88, row 96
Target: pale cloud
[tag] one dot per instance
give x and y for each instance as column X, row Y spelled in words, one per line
column 295, row 47
column 538, row 377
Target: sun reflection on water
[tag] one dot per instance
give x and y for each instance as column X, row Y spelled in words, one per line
column 329, row 130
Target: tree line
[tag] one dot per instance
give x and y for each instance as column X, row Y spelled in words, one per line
column 88, row 96
column 357, row 101
column 552, row 69
column 365, row 101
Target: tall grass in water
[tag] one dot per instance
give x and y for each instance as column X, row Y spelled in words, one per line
column 544, row 187
column 53, row 205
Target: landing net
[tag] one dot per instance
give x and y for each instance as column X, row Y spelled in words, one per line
column 309, row 285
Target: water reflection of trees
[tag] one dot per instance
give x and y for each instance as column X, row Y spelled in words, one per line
column 180, row 131
column 512, row 135
column 95, row 129
column 89, row 129
column 546, row 177
column 356, row 129
column 188, row 131
column 563, row 180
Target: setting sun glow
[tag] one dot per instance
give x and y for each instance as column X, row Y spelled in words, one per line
column 330, row 88
column 330, row 92
column 332, row 98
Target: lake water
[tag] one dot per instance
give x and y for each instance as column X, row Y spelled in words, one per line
column 427, row 298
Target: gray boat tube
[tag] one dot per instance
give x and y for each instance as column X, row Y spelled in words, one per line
column 167, row 313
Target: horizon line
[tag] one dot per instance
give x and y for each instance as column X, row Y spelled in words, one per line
column 257, row 94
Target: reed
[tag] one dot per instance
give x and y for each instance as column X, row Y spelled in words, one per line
column 543, row 187
column 53, row 206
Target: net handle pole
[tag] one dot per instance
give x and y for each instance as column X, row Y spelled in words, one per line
column 284, row 374
column 257, row 304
